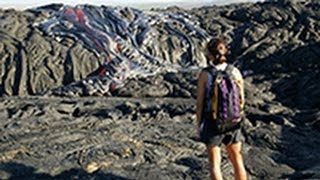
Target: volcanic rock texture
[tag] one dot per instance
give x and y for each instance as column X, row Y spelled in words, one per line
column 60, row 120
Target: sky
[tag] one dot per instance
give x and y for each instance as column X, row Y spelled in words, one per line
column 22, row 4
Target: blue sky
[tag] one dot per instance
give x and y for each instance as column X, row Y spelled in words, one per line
column 132, row 3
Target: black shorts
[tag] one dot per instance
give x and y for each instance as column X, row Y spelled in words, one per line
column 211, row 138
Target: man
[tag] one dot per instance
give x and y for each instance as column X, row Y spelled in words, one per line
column 216, row 56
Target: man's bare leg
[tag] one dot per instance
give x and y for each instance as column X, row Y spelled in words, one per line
column 234, row 152
column 214, row 154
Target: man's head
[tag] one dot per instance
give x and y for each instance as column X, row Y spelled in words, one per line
column 216, row 51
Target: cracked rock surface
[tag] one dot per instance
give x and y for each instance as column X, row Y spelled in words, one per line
column 52, row 128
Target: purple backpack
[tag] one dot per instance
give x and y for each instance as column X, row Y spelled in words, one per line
column 222, row 104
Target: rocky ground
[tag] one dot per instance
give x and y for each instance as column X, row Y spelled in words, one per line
column 145, row 130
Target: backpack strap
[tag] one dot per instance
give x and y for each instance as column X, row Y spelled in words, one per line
column 211, row 69
column 214, row 83
column 229, row 70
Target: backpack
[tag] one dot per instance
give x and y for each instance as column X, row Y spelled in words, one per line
column 222, row 101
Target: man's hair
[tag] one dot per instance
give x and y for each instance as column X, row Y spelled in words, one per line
column 212, row 48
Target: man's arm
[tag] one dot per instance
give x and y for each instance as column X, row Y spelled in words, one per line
column 202, row 81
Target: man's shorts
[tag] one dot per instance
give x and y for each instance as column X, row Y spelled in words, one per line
column 210, row 138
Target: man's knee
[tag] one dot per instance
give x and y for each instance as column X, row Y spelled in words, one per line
column 234, row 151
